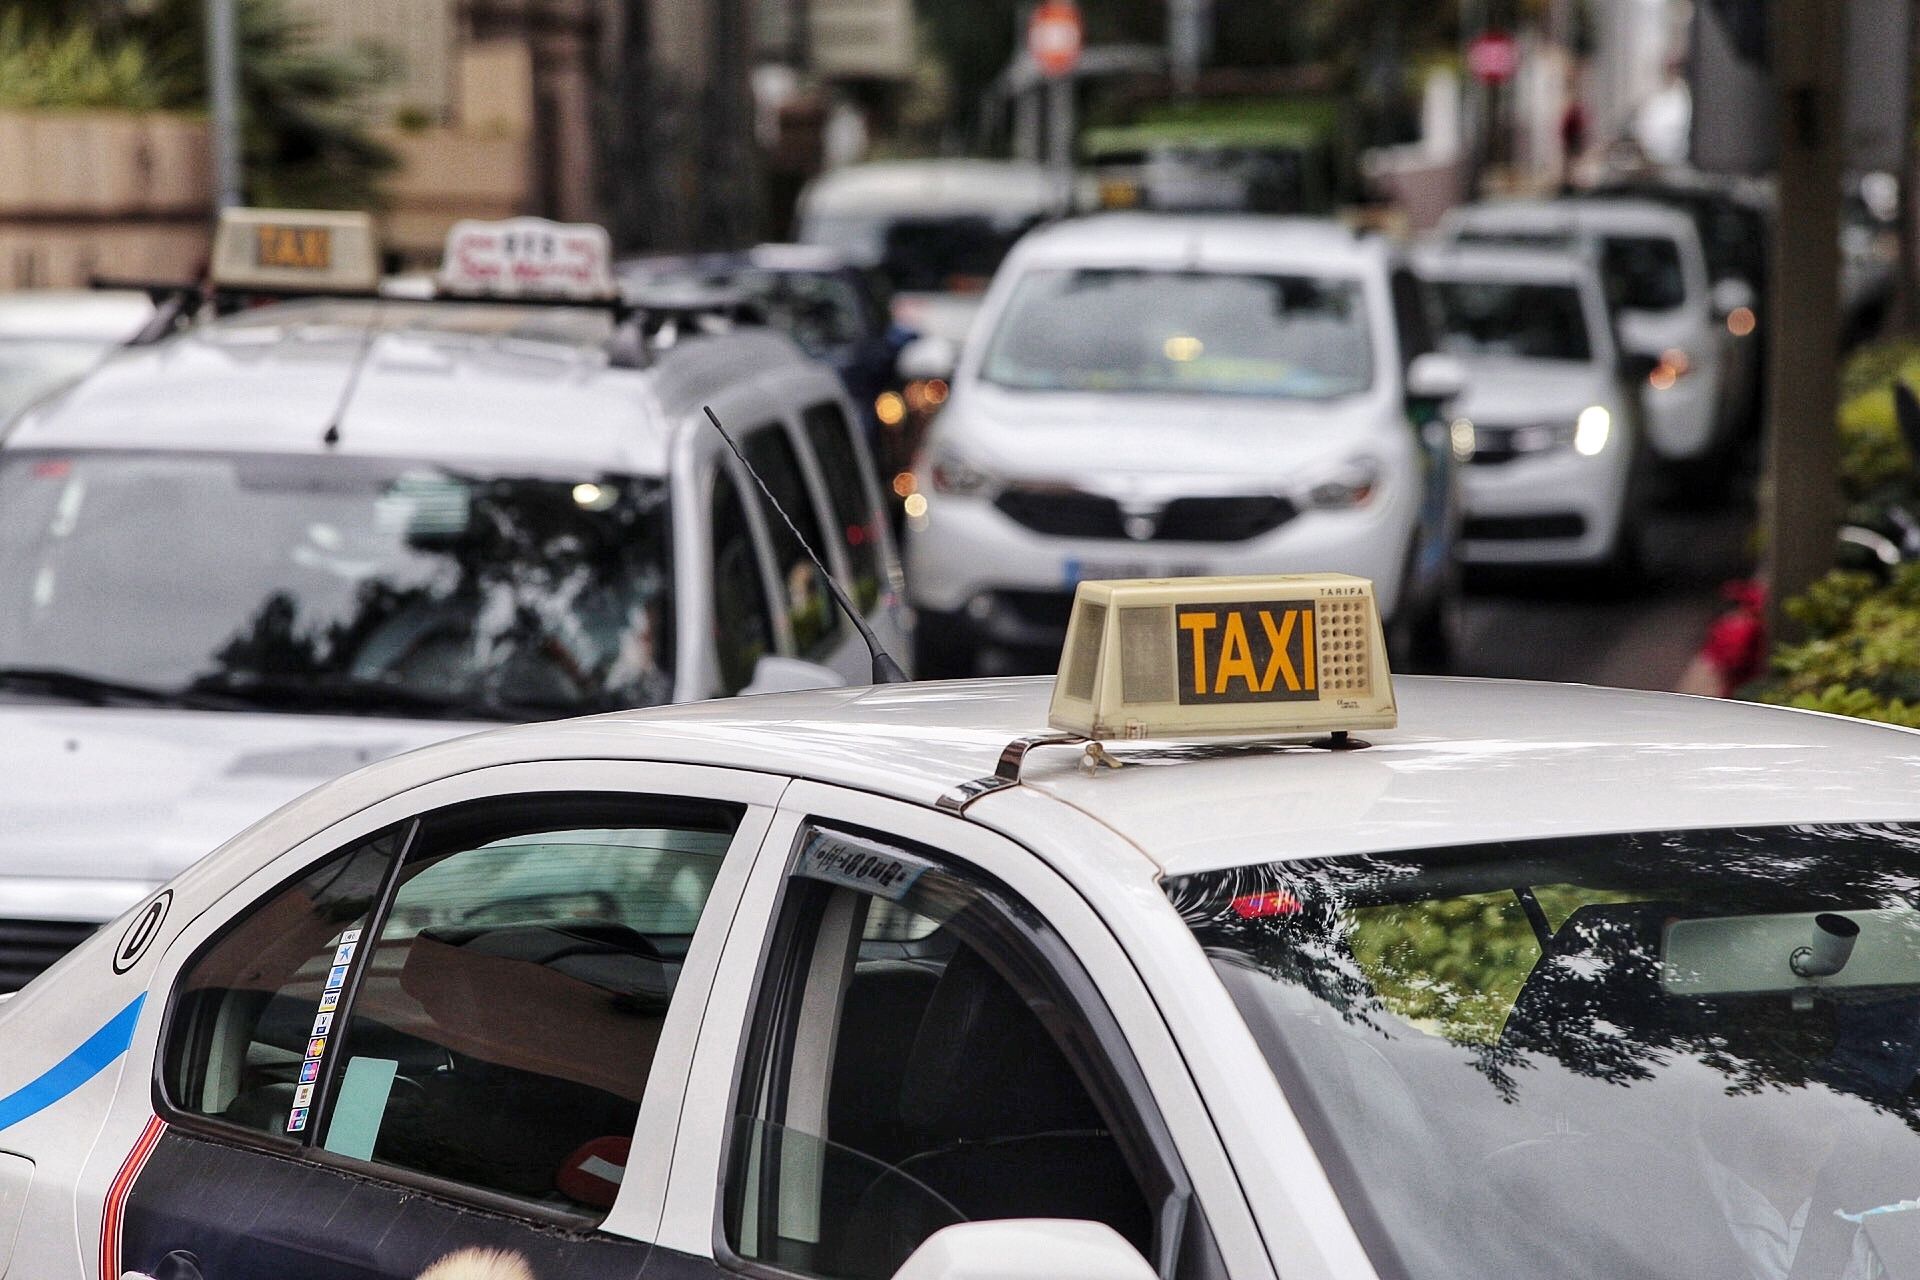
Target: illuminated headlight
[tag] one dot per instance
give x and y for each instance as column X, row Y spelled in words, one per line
column 1460, row 435
column 1592, row 429
column 951, row 473
column 1352, row 486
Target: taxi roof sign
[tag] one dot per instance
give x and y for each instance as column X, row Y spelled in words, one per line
column 323, row 251
column 1189, row 657
column 528, row 258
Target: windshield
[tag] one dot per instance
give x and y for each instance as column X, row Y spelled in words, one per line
column 1596, row 1056
column 338, row 584
column 1502, row 318
column 1184, row 332
column 956, row 253
column 29, row 367
column 1645, row 272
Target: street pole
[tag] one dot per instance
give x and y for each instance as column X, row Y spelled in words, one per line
column 223, row 101
column 1060, row 128
column 1803, row 378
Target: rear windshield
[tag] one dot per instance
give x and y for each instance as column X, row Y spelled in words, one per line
column 1644, row 272
column 1185, row 332
column 1501, row 318
column 1607, row 1056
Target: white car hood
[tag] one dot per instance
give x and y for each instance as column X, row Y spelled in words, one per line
column 1509, row 392
column 100, row 805
column 1160, row 445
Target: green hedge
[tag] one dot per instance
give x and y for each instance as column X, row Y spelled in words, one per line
column 1861, row 652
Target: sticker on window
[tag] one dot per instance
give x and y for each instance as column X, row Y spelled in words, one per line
column 874, row 869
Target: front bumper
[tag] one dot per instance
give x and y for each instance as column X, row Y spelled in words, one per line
column 1549, row 508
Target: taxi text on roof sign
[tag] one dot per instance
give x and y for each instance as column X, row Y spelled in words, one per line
column 528, row 258
column 1185, row 657
column 322, row 250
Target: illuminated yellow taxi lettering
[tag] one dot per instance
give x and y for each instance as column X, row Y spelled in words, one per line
column 1236, row 658
column 1280, row 665
column 1199, row 624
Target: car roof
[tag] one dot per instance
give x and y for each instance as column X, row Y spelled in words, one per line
column 1471, row 761
column 99, row 315
column 532, row 385
column 1176, row 240
column 1575, row 216
column 932, row 187
column 1474, row 261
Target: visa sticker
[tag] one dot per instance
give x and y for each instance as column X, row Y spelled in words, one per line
column 329, row 1001
column 884, row 873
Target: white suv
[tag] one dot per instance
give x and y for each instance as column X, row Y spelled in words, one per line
column 1157, row 395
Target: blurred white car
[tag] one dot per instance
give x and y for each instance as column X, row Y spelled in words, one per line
column 1549, row 421
column 1154, row 395
column 48, row 336
column 1671, row 315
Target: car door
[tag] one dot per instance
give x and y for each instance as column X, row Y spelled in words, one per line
column 457, row 1021
column 917, row 1024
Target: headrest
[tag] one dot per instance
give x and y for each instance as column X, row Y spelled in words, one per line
column 1599, row 980
column 983, row 1065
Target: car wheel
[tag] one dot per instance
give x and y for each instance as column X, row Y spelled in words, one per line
column 1424, row 635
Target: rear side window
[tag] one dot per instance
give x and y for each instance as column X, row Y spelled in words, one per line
column 742, row 615
column 481, row 1009
column 1644, row 272
column 804, row 592
column 856, row 517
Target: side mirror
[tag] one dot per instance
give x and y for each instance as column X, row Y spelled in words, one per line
column 775, row 673
column 1432, row 380
column 926, row 358
column 1730, row 295
column 1026, row 1249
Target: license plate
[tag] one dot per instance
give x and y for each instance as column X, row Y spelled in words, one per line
column 1076, row 571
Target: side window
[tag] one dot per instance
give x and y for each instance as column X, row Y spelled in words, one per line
column 809, row 603
column 859, row 522
column 491, row 1023
column 894, row 1088
column 1412, row 317
column 742, row 615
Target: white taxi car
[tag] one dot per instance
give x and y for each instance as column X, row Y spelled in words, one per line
column 1549, row 423
column 1673, row 317
column 263, row 551
column 1547, row 981
column 1152, row 394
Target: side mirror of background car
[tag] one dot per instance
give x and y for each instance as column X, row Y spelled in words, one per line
column 1026, row 1249
column 1731, row 295
column 1432, row 380
column 927, row 358
column 778, row 674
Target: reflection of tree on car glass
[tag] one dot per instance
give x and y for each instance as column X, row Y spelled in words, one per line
column 1210, row 332
column 1528, row 1012
column 339, row 584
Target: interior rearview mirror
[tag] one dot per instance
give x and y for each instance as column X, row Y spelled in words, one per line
column 1730, row 295
column 776, row 673
column 927, row 357
column 1026, row 1249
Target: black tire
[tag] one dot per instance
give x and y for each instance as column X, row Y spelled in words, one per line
column 1424, row 636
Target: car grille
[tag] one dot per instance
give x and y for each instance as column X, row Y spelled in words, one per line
column 1038, row 608
column 29, row 946
column 1069, row 513
column 1511, row 528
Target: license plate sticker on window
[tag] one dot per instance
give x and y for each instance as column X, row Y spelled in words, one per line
column 858, row 864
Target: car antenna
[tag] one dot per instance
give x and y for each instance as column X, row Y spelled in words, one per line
column 885, row 669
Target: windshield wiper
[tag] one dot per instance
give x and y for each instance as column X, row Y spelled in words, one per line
column 322, row 694
column 100, row 691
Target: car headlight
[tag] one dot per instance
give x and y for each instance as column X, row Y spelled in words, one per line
column 1352, row 486
column 951, row 473
column 1592, row 429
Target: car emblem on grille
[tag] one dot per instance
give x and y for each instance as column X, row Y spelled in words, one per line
column 1140, row 522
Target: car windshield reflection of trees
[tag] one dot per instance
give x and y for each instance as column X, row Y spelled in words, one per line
column 1484, row 1044
column 537, row 609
